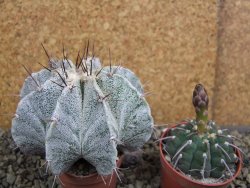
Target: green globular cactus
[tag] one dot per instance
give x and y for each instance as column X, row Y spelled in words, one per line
column 72, row 111
column 197, row 147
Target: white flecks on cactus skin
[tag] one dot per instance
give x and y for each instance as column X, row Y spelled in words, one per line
column 81, row 111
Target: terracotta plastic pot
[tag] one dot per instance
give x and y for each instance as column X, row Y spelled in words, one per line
column 173, row 179
column 90, row 181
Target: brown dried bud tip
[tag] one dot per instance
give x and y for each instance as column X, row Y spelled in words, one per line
column 200, row 98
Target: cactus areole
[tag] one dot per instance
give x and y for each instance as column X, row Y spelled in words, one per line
column 197, row 148
column 72, row 111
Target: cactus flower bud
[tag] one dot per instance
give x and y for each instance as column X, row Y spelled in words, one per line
column 200, row 98
column 200, row 102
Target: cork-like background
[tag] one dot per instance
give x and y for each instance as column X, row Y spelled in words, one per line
column 171, row 45
column 232, row 86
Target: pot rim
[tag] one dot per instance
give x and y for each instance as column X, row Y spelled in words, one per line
column 166, row 163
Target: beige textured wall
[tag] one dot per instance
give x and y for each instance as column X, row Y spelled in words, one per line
column 232, row 88
column 172, row 44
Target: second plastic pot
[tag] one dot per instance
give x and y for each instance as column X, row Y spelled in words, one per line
column 171, row 178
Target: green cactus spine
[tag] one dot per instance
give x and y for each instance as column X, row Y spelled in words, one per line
column 197, row 147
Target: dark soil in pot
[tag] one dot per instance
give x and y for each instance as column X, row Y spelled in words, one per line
column 20, row 171
column 82, row 168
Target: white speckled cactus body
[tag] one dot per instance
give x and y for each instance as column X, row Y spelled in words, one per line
column 78, row 111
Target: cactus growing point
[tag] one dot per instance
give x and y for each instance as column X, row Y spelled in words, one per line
column 197, row 148
column 71, row 111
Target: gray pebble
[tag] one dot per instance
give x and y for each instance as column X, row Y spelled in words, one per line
column 42, row 185
column 10, row 170
column 248, row 178
column 243, row 185
column 138, row 184
column 130, row 186
column 37, row 184
column 2, row 174
column 50, row 181
column 240, row 177
column 29, row 184
column 244, row 172
column 131, row 177
column 12, row 157
column 20, row 160
column 5, row 183
column 34, row 159
column 18, row 180
column 11, row 178
column 30, row 177
column 237, row 182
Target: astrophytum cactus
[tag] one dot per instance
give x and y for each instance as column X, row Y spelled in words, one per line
column 198, row 148
column 72, row 111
